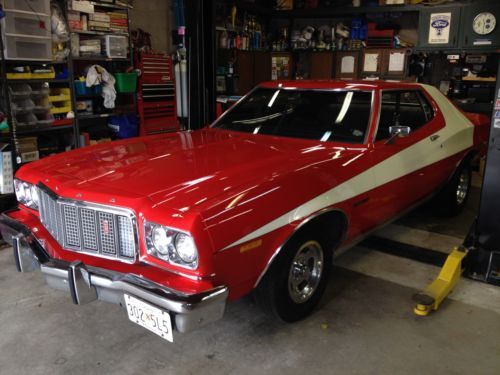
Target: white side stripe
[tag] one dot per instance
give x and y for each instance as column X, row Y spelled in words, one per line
column 455, row 137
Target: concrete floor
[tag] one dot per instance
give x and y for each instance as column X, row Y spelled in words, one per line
column 365, row 325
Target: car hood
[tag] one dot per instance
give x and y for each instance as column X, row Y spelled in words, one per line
column 179, row 170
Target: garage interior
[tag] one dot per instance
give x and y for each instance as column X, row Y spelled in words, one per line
column 80, row 73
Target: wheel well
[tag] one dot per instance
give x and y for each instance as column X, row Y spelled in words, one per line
column 469, row 157
column 333, row 223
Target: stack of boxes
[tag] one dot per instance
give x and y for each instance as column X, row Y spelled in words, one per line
column 99, row 21
column 118, row 22
column 112, row 22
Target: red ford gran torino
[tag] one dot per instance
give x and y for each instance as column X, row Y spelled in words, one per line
column 173, row 226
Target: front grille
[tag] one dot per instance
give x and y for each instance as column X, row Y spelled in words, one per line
column 84, row 227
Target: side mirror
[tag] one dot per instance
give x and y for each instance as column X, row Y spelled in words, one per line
column 398, row 131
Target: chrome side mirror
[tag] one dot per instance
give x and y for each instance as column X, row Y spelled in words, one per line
column 399, row 131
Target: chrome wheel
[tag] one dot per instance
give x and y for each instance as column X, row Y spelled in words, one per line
column 463, row 186
column 305, row 272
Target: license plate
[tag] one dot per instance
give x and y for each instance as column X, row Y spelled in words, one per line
column 149, row 317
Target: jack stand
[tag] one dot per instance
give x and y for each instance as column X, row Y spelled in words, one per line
column 432, row 297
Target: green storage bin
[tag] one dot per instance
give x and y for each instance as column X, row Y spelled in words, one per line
column 126, row 82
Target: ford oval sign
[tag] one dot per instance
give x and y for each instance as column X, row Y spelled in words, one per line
column 440, row 24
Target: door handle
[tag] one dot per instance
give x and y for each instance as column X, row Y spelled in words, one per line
column 434, row 137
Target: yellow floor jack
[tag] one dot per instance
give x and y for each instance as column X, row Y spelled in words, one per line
column 432, row 297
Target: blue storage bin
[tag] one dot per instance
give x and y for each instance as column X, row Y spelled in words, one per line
column 81, row 88
column 124, row 126
column 97, row 90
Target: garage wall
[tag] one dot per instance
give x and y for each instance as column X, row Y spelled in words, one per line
column 155, row 17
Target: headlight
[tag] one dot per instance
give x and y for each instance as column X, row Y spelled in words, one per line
column 170, row 245
column 161, row 240
column 186, row 249
column 26, row 194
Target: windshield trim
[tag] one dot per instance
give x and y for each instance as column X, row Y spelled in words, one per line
column 370, row 120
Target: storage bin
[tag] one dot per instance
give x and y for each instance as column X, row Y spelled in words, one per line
column 59, row 95
column 20, row 90
column 62, row 74
column 44, row 119
column 60, row 107
column 22, row 105
column 39, row 89
column 126, row 82
column 41, row 7
column 96, row 90
column 25, row 119
column 27, row 24
column 116, row 46
column 44, row 75
column 41, row 104
column 27, row 48
column 81, row 88
column 25, row 75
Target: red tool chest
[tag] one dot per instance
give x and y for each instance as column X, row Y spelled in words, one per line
column 156, row 94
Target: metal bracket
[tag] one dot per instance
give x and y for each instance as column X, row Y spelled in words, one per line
column 25, row 260
column 432, row 297
column 80, row 287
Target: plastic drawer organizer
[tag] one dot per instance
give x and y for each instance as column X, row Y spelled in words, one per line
column 116, row 46
column 31, row 105
column 37, row 6
column 27, row 34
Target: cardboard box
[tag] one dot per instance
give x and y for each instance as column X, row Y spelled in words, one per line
column 30, row 156
column 28, row 149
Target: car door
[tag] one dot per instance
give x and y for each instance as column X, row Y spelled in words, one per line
column 402, row 175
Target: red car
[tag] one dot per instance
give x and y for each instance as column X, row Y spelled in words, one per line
column 173, row 226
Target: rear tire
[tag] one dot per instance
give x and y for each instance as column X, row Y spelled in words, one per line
column 452, row 199
column 293, row 286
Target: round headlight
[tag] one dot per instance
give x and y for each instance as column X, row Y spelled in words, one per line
column 20, row 192
column 34, row 195
column 161, row 240
column 186, row 249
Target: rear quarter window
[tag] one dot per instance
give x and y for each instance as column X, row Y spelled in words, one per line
column 403, row 107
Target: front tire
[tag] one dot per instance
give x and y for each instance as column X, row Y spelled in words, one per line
column 294, row 284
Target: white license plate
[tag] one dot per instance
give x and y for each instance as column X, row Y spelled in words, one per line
column 149, row 317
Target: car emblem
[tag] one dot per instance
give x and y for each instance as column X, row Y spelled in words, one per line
column 105, row 227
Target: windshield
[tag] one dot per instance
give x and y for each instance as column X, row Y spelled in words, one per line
column 337, row 116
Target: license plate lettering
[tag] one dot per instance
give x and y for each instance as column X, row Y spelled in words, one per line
column 149, row 317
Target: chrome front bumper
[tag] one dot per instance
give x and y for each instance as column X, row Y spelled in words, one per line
column 86, row 284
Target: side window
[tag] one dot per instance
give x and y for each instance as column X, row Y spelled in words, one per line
column 405, row 108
